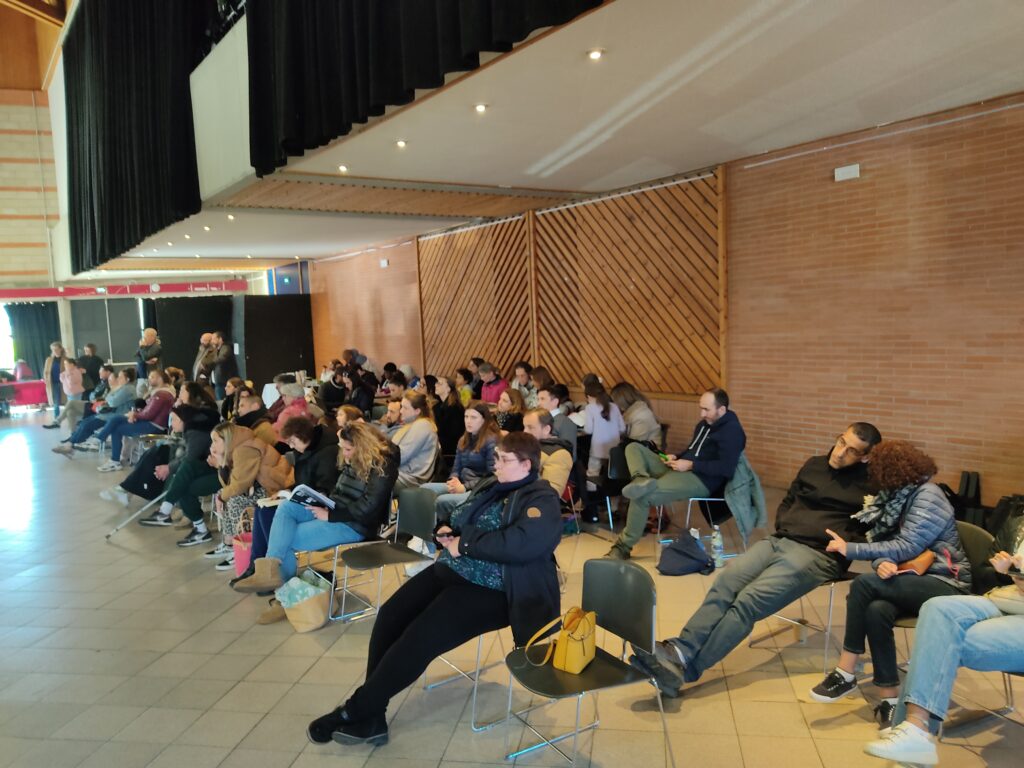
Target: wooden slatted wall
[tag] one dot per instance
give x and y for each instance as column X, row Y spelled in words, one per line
column 631, row 289
column 474, row 293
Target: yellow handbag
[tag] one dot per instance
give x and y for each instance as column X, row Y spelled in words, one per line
column 576, row 644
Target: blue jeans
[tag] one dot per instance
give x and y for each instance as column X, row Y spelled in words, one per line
column 446, row 502
column 952, row 632
column 262, row 520
column 86, row 428
column 296, row 529
column 118, row 428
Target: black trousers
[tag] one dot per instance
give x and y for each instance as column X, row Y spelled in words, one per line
column 872, row 608
column 435, row 611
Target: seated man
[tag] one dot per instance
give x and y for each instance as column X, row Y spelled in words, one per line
column 391, row 421
column 555, row 453
column 778, row 570
column 551, row 398
column 702, row 471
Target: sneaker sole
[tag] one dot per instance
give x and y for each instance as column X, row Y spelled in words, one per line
column 343, row 738
column 666, row 681
column 221, row 567
column 915, row 758
column 184, row 544
column 218, row 555
column 826, row 700
column 154, row 524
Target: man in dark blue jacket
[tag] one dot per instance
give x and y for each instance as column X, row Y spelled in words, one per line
column 701, row 471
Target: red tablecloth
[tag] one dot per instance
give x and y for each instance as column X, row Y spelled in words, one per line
column 28, row 392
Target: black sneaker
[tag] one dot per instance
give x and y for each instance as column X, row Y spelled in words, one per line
column 833, row 688
column 883, row 715
column 319, row 731
column 669, row 683
column 226, row 565
column 194, row 538
column 372, row 731
column 51, row 425
column 156, row 520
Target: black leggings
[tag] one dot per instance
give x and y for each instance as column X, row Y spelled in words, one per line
column 435, row 611
column 872, row 608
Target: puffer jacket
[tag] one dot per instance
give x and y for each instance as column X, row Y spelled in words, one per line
column 927, row 524
column 471, row 466
column 253, row 461
column 364, row 506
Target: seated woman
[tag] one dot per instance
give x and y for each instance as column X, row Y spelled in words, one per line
column 119, row 401
column 333, row 391
column 602, row 420
column 641, row 424
column 952, row 632
column 464, row 385
column 497, row 569
column 417, row 440
column 151, row 419
column 358, row 393
column 474, row 459
column 916, row 554
column 449, row 414
column 294, row 397
column 247, row 470
column 510, row 410
column 521, row 383
column 263, row 517
column 361, row 496
column 229, row 406
column 193, row 418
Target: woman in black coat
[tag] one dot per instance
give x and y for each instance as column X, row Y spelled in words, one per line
column 449, row 416
column 497, row 569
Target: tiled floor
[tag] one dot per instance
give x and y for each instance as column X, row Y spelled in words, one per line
column 134, row 653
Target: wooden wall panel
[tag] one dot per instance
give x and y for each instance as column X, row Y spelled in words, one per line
column 358, row 304
column 475, row 294
column 629, row 288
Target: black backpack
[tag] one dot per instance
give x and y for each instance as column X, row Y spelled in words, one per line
column 685, row 555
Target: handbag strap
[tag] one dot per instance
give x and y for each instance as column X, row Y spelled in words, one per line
column 536, row 636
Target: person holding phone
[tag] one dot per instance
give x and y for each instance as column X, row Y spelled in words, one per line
column 496, row 568
column 916, row 555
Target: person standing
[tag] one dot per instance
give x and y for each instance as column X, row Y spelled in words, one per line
column 224, row 364
column 52, row 369
column 203, row 364
column 147, row 358
column 90, row 363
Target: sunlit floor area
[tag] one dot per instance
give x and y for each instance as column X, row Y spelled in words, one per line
column 134, row 652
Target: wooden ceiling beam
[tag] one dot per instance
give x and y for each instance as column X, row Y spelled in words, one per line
column 51, row 12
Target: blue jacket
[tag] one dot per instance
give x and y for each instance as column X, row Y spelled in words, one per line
column 473, row 466
column 715, row 450
column 927, row 524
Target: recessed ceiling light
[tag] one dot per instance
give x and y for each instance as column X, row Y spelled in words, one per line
column 595, row 54
column 231, row 217
column 197, row 255
column 156, row 250
column 169, row 243
column 296, row 258
column 206, row 228
column 343, row 168
column 480, row 108
column 188, row 237
column 400, row 143
column 248, row 255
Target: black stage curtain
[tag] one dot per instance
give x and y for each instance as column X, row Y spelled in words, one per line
column 318, row 66
column 34, row 327
column 131, row 147
column 278, row 337
column 183, row 320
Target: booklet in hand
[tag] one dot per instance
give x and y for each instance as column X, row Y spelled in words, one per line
column 303, row 494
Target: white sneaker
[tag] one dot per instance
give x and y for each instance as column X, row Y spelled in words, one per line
column 109, row 466
column 118, row 494
column 905, row 743
column 221, row 551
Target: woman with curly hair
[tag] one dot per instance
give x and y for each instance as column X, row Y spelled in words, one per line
column 916, row 554
column 369, row 469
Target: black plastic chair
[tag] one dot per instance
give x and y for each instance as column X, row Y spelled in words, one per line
column 624, row 597
column 416, row 518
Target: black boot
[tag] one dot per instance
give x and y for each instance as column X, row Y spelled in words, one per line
column 319, row 731
column 250, row 571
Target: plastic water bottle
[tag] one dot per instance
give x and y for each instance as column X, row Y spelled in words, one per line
column 717, row 547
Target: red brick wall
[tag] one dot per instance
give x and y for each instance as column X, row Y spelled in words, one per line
column 896, row 298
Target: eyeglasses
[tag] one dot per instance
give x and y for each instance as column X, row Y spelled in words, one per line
column 842, row 445
column 507, row 458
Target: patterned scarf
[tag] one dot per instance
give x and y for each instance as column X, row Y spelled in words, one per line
column 883, row 512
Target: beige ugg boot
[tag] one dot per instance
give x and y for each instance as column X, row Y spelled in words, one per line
column 266, row 578
column 273, row 614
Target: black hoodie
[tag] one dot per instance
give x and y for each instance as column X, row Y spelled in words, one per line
column 317, row 466
column 715, row 451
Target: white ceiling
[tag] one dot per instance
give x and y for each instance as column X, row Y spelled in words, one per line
column 685, row 85
column 279, row 234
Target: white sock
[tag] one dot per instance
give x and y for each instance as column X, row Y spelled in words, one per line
column 166, row 508
column 200, row 526
column 847, row 676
